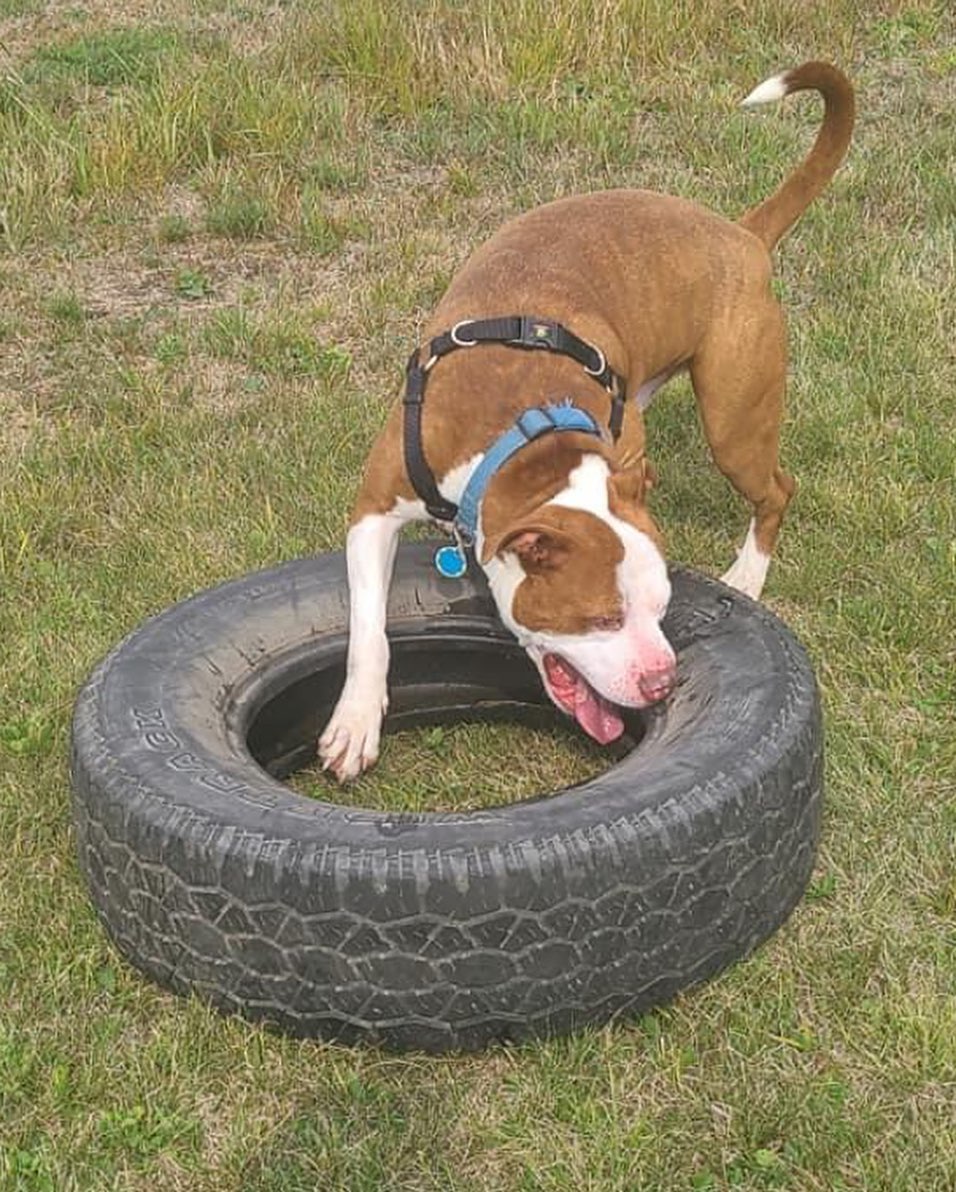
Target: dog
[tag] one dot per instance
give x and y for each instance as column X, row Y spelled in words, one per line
column 522, row 429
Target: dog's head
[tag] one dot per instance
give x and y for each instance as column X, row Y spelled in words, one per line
column 582, row 584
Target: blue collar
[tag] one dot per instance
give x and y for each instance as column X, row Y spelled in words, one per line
column 530, row 425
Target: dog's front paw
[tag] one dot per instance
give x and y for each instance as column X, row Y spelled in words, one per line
column 349, row 743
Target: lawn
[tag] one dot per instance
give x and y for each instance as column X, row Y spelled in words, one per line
column 222, row 224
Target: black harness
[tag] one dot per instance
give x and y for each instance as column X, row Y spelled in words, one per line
column 517, row 331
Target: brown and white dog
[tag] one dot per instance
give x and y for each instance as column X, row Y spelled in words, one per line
column 571, row 553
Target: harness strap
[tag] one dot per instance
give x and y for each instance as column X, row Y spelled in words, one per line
column 419, row 473
column 519, row 331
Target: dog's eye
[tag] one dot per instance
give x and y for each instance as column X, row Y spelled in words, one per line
column 609, row 624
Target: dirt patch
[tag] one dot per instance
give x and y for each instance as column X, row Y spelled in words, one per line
column 222, row 386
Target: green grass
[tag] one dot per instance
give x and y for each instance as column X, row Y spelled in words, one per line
column 240, row 216
column 111, row 58
column 434, row 768
column 219, row 236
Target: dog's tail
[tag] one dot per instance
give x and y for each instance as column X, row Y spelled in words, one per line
column 776, row 214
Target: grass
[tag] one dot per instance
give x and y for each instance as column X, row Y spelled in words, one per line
column 434, row 768
column 111, row 58
column 219, row 234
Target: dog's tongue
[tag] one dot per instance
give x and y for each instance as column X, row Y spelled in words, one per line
column 596, row 716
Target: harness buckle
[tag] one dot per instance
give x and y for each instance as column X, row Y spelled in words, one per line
column 537, row 333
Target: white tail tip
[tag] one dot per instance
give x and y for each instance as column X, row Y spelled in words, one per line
column 768, row 91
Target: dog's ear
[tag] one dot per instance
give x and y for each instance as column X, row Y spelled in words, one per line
column 539, row 548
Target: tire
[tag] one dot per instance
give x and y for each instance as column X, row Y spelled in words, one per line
column 436, row 931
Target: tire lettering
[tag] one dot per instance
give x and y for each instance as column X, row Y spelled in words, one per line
column 222, row 783
column 147, row 718
column 185, row 762
column 161, row 740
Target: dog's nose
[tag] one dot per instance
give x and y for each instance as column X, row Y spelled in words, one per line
column 658, row 684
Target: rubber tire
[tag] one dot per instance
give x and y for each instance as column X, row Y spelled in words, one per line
column 436, row 931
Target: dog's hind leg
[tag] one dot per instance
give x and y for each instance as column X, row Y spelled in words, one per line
column 740, row 394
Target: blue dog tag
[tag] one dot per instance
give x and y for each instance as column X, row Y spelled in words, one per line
column 450, row 562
